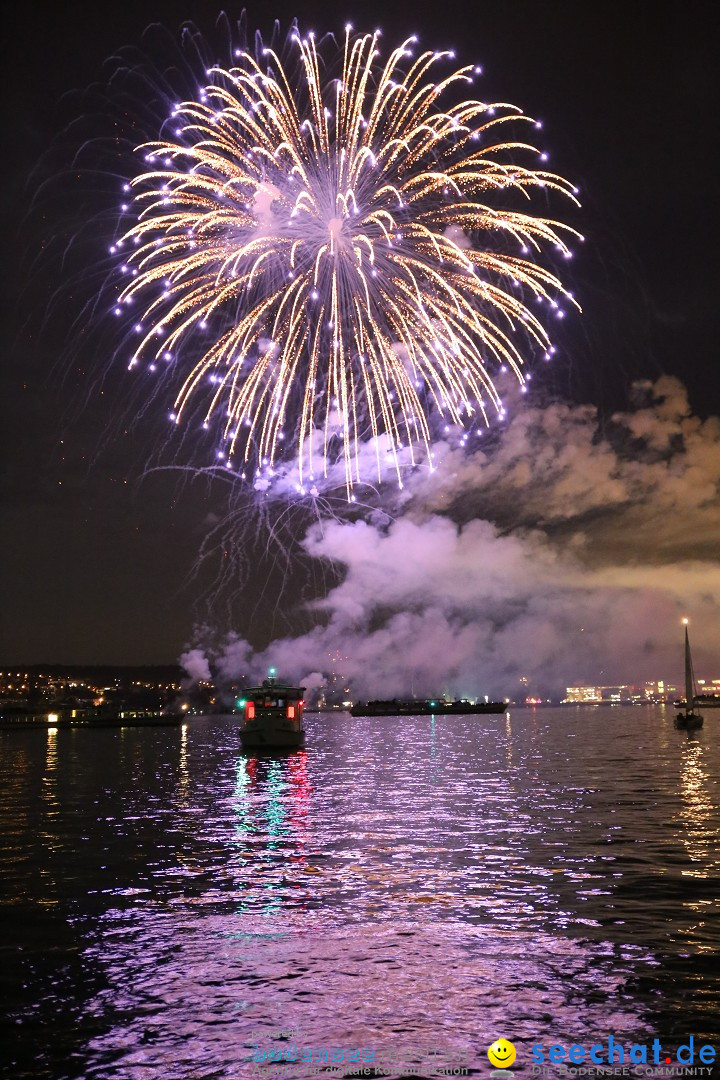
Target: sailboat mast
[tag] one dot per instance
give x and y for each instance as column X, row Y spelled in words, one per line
column 689, row 680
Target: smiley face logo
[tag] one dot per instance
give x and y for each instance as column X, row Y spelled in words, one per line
column 501, row 1054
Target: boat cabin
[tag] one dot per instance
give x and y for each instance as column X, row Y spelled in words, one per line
column 275, row 701
column 273, row 717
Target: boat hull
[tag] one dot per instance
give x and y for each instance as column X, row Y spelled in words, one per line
column 688, row 721
column 268, row 735
column 86, row 719
column 425, row 708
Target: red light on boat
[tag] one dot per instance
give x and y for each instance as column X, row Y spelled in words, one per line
column 291, row 712
column 250, row 711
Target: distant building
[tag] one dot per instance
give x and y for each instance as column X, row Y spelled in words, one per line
column 658, row 691
column 582, row 694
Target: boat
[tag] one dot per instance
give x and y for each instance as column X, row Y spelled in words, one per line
column 61, row 717
column 426, row 707
column 272, row 717
column 688, row 720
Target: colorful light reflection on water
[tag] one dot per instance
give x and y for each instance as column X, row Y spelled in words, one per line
column 548, row 875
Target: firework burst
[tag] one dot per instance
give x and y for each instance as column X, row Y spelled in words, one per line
column 327, row 261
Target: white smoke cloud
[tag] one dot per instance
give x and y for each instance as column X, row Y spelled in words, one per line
column 314, row 681
column 234, row 658
column 565, row 553
column 196, row 664
column 458, row 236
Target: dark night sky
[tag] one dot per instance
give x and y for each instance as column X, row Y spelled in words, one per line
column 94, row 565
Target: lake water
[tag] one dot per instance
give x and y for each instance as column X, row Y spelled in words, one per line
column 397, row 896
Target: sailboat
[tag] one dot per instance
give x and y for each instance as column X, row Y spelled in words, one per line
column 689, row 719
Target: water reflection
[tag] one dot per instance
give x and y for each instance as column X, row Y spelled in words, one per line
column 49, row 794
column 51, row 811
column 700, row 835
column 270, row 803
column 183, row 787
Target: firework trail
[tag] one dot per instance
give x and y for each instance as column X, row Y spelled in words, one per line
column 329, row 262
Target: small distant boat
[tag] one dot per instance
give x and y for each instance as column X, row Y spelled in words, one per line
column 273, row 717
column 689, row 720
column 426, row 707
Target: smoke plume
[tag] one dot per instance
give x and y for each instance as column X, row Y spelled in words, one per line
column 565, row 552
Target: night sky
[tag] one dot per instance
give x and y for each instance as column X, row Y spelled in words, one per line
column 96, row 565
